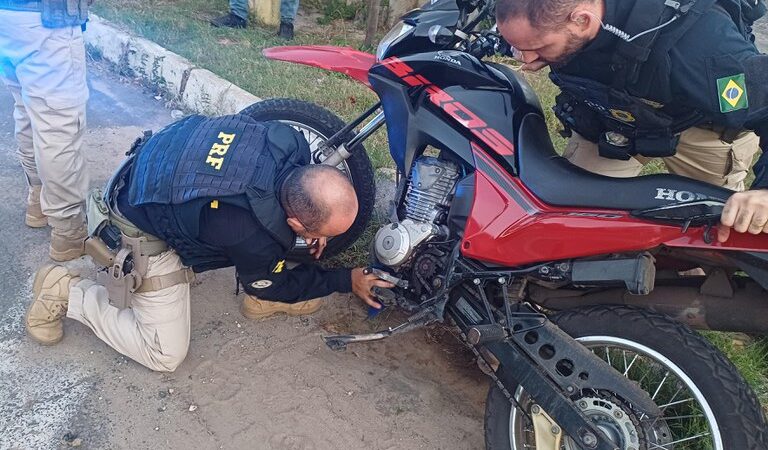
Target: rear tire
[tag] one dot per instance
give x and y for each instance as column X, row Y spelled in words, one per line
column 309, row 119
column 734, row 406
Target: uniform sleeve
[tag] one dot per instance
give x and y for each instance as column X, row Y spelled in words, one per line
column 719, row 72
column 260, row 261
column 261, row 266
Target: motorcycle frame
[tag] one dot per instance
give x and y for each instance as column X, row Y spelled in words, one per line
column 451, row 100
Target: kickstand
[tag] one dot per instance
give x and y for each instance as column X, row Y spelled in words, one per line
column 418, row 320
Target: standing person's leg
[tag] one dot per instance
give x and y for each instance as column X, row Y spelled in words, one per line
column 34, row 216
column 703, row 156
column 239, row 8
column 288, row 10
column 237, row 17
column 54, row 92
column 154, row 331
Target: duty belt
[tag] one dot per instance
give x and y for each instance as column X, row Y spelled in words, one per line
column 141, row 246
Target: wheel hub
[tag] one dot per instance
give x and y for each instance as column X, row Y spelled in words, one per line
column 615, row 420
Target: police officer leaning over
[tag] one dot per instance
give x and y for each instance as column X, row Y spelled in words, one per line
column 201, row 194
column 677, row 79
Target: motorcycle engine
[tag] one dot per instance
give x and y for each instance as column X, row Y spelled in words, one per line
column 430, row 187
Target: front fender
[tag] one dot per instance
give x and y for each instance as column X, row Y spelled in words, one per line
column 348, row 61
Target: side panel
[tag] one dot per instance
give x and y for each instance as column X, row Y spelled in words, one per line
column 427, row 95
column 509, row 226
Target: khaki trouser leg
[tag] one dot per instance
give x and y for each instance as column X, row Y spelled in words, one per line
column 701, row 155
column 584, row 153
column 45, row 70
column 58, row 139
column 154, row 331
column 23, row 132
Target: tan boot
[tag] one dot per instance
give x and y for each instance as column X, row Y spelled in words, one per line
column 254, row 308
column 35, row 217
column 49, row 304
column 67, row 245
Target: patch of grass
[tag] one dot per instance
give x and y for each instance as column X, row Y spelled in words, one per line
column 750, row 355
column 339, row 10
column 182, row 27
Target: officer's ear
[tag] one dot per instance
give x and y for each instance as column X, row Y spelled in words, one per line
column 583, row 20
column 296, row 226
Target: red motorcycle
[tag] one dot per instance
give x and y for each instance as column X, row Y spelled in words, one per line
column 566, row 285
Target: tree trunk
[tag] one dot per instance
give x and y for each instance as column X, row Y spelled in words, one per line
column 372, row 22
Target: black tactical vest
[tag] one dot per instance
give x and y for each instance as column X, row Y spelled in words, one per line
column 629, row 116
column 199, row 160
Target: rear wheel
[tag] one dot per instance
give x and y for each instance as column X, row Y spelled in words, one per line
column 317, row 124
column 707, row 405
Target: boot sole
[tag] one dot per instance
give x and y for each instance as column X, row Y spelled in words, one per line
column 35, row 222
column 66, row 255
column 37, row 286
column 258, row 316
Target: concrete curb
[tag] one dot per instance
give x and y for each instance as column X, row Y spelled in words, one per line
column 196, row 89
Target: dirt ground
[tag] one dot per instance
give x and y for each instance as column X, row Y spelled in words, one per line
column 263, row 385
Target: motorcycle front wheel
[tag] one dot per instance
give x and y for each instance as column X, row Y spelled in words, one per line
column 317, row 124
column 706, row 403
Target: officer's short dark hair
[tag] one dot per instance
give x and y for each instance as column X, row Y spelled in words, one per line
column 298, row 197
column 546, row 14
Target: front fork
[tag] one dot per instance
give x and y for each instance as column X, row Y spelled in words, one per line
column 338, row 151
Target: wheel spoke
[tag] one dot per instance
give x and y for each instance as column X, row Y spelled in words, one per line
column 690, row 416
column 626, row 371
column 676, row 403
column 666, row 446
column 658, row 389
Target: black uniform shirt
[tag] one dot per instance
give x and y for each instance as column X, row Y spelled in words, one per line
column 258, row 259
column 711, row 53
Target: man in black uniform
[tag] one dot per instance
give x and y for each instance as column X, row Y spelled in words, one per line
column 202, row 194
column 681, row 80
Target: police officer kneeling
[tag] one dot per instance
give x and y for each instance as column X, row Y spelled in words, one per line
column 202, row 194
column 677, row 79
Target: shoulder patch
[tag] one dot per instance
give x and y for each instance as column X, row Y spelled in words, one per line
column 261, row 284
column 732, row 93
column 279, row 266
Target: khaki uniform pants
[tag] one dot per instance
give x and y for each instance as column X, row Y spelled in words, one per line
column 700, row 155
column 44, row 68
column 154, row 331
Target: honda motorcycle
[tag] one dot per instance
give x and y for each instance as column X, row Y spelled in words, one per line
column 565, row 284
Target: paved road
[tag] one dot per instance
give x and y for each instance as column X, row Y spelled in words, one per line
column 266, row 385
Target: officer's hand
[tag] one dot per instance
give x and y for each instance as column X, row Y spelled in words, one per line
column 362, row 285
column 317, row 246
column 744, row 212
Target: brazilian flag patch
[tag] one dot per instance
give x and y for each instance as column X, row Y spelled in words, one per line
column 733, row 93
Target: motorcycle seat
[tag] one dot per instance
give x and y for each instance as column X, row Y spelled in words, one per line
column 557, row 182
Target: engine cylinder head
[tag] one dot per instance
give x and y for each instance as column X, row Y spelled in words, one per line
column 430, row 186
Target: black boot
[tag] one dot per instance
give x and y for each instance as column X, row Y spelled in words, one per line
column 230, row 21
column 286, row 30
